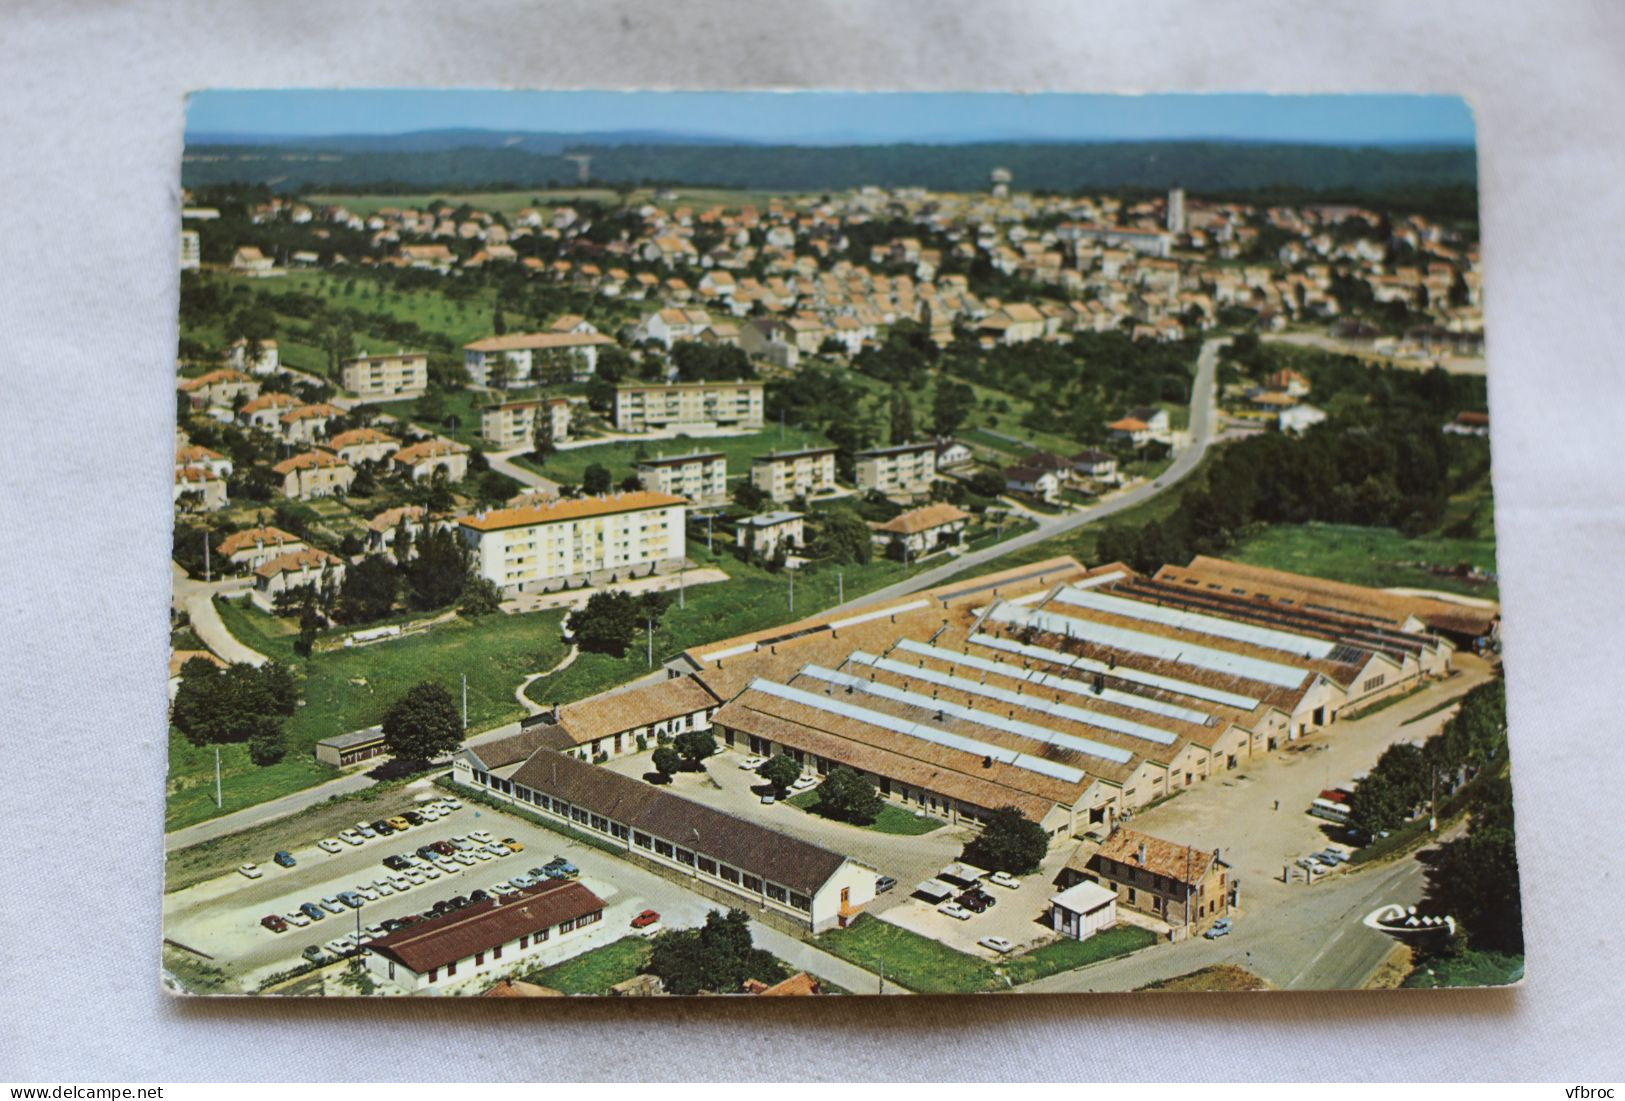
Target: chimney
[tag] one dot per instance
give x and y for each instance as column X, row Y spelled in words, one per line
column 1140, row 855
column 987, row 762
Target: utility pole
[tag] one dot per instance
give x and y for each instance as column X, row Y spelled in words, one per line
column 882, row 989
column 840, row 588
column 682, row 573
column 217, row 803
column 649, row 621
column 708, row 533
column 465, row 701
column 205, row 557
column 792, row 591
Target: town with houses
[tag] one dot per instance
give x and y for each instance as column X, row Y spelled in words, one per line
column 663, row 590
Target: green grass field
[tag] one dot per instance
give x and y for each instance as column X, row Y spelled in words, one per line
column 1368, row 556
column 891, row 819
column 464, row 405
column 927, row 966
column 1469, row 968
column 596, row 971
column 461, row 319
column 570, row 465
column 346, row 690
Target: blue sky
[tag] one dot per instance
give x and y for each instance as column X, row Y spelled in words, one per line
column 817, row 118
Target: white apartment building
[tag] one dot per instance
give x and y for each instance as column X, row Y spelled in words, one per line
column 387, row 377
column 513, row 423
column 646, row 407
column 786, row 475
column 574, row 541
column 534, row 357
column 702, row 476
column 906, row 468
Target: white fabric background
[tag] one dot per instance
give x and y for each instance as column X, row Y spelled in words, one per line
column 91, row 98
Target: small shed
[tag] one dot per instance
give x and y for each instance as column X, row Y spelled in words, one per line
column 346, row 749
column 934, row 890
column 1082, row 910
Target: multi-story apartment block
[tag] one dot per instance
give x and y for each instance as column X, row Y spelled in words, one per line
column 645, row 407
column 906, row 468
column 388, row 378
column 513, row 423
column 786, row 475
column 578, row 540
column 702, row 476
column 314, row 473
column 535, row 357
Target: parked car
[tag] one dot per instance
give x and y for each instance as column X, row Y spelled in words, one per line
column 332, row 905
column 521, row 881
column 285, row 859
column 463, row 844
column 1333, row 855
column 769, row 799
column 1004, row 879
column 1325, row 860
column 482, row 836
column 365, row 830
column 513, row 845
column 375, row 931
column 497, row 848
column 312, row 911
column 252, row 871
column 503, row 889
column 414, row 877
column 297, row 918
column 481, row 853
column 398, row 824
column 883, row 884
column 444, row 848
column 274, row 922
column 350, row 837
column 645, row 919
column 1218, row 929
column 429, row 871
column 396, row 863
column 314, row 954
column 400, row 882
column 382, row 828
column 382, row 887
column 751, row 764
column 563, row 869
column 430, row 812
column 804, row 782
column 954, row 910
column 367, row 892
column 976, row 900
column 412, row 817
column 464, row 859
column 329, row 845
column 351, row 899
column 479, row 896
column 997, row 944
column 451, row 801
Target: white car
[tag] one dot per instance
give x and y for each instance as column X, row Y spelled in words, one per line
column 482, row 836
column 430, row 813
column 450, row 801
column 463, row 844
column 368, row 893
column 252, row 871
column 350, row 837
column 446, row 864
column 954, row 910
column 429, row 871
column 1004, row 879
column 375, row 930
column 497, row 848
column 400, row 882
column 996, row 944
column 751, row 764
column 332, row 905
column 415, row 877
column 297, row 917
column 504, row 889
column 365, row 830
column 382, row 887
column 481, row 854
column 465, row 860
column 804, row 782
column 329, row 845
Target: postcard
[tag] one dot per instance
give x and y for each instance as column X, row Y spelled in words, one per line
column 828, row 544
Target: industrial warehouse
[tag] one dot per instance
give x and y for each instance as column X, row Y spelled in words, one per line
column 1071, row 694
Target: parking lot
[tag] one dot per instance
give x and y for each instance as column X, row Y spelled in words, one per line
column 1019, row 915
column 221, row 917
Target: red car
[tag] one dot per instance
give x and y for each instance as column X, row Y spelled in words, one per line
column 275, row 923
column 645, row 919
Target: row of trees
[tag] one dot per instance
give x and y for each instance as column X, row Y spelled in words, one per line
column 1407, row 776
column 611, row 619
column 719, row 957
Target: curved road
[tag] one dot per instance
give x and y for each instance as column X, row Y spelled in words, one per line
column 1203, row 418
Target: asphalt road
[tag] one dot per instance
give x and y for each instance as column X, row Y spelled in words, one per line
column 1203, row 420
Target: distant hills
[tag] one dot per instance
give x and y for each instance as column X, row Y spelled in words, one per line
column 485, row 159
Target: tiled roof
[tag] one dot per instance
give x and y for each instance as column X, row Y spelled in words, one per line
column 627, row 710
column 513, row 342
column 308, row 558
column 459, row 935
column 242, row 540
column 1181, row 863
column 789, row 861
column 923, row 519
column 568, row 508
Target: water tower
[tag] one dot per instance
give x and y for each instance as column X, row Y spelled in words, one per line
column 1001, row 183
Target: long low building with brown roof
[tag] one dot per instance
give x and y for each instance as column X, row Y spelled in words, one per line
column 785, row 874
column 484, row 938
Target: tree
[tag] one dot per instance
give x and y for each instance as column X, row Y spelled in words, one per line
column 987, row 483
column 781, row 771
column 719, row 956
column 848, row 797
column 902, row 419
column 844, row 538
column 423, row 724
column 369, row 591
column 607, row 624
column 1009, row 842
column 694, row 746
column 667, row 761
column 542, row 444
column 499, row 324
column 309, row 622
column 480, row 597
column 950, row 405
column 749, row 496
column 267, row 745
column 596, row 479
column 435, row 578
column 1475, row 878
